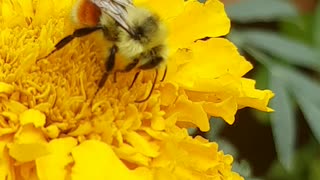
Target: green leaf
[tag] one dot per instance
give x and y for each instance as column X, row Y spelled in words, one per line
column 260, row 10
column 306, row 91
column 299, row 28
column 291, row 51
column 302, row 85
column 283, row 119
column 314, row 169
column 312, row 114
column 283, row 122
column 243, row 168
column 316, row 27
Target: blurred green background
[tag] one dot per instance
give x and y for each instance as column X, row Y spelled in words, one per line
column 281, row 38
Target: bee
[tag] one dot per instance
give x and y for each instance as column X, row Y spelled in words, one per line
column 136, row 33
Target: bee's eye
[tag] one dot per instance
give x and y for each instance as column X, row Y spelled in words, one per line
column 152, row 63
column 157, row 59
column 138, row 33
column 145, row 29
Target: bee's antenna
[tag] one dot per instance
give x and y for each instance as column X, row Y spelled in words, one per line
column 77, row 33
column 153, row 84
column 164, row 74
column 134, row 79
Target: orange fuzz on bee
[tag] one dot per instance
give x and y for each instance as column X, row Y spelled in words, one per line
column 87, row 13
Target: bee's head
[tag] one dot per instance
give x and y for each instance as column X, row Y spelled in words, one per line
column 147, row 35
column 146, row 27
column 145, row 30
column 153, row 57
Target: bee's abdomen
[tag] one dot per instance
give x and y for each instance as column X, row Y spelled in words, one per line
column 87, row 13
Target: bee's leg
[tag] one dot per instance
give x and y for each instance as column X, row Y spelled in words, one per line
column 153, row 84
column 134, row 79
column 128, row 68
column 109, row 67
column 153, row 63
column 77, row 33
column 164, row 74
column 115, row 76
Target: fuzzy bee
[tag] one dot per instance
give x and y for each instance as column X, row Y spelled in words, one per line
column 136, row 33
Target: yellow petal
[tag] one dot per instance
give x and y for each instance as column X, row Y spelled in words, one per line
column 32, row 116
column 132, row 119
column 6, row 163
column 96, row 160
column 4, row 131
column 254, row 98
column 169, row 93
column 27, row 8
column 53, row 166
column 29, row 144
column 158, row 123
column 165, row 9
column 83, row 128
column 29, row 134
column 11, row 19
column 26, row 171
column 130, row 154
column 210, row 59
column 27, row 152
column 225, row 109
column 62, row 145
column 144, row 172
column 6, row 88
column 15, row 106
column 198, row 21
column 204, row 160
column 10, row 115
column 141, row 144
column 52, row 131
column 189, row 112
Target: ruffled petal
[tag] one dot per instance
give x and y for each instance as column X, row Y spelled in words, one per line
column 96, row 160
column 53, row 166
column 197, row 21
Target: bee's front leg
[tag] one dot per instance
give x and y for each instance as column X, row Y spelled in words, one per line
column 109, row 65
column 128, row 68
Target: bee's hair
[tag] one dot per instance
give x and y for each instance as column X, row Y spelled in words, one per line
column 148, row 32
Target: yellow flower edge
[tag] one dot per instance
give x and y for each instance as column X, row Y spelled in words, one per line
column 51, row 128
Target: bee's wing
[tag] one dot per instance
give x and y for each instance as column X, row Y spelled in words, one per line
column 117, row 10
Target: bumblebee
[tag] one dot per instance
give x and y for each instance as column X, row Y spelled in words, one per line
column 136, row 33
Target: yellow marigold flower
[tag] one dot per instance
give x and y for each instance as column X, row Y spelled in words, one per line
column 52, row 128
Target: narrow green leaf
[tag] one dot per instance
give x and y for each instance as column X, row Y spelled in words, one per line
column 260, row 10
column 306, row 91
column 291, row 51
column 299, row 28
column 259, row 56
column 316, row 27
column 283, row 123
column 283, row 119
column 243, row 168
column 312, row 114
column 301, row 85
column 314, row 169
